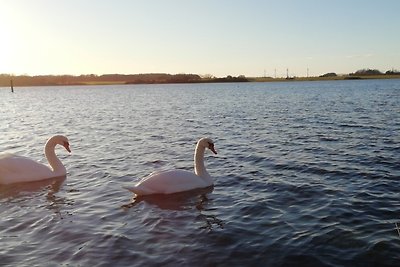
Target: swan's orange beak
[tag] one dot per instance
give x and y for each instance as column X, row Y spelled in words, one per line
column 66, row 145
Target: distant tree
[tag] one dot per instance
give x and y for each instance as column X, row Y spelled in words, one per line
column 5, row 79
column 230, row 78
column 329, row 74
column 392, row 72
column 367, row 72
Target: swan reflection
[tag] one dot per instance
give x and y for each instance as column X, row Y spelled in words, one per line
column 19, row 192
column 182, row 201
column 15, row 190
column 176, row 201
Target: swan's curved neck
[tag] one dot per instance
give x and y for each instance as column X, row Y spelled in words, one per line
column 199, row 167
column 56, row 165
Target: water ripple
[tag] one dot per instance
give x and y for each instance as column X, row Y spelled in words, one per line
column 306, row 175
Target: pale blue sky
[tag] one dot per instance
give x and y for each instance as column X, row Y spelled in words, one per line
column 217, row 37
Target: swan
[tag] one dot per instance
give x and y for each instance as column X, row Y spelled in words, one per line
column 17, row 169
column 174, row 181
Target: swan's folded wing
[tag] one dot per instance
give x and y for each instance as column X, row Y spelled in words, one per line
column 171, row 181
column 18, row 169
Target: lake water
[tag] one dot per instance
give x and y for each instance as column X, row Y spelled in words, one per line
column 307, row 174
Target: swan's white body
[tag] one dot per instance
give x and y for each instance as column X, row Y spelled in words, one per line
column 17, row 169
column 174, row 181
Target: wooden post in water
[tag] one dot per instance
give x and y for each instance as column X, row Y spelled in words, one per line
column 12, row 86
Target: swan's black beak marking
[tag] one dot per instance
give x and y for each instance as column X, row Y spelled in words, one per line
column 211, row 147
column 66, row 145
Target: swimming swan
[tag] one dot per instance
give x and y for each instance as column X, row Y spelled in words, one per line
column 16, row 169
column 174, row 181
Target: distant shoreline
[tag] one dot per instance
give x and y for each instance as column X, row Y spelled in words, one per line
column 119, row 79
column 336, row 78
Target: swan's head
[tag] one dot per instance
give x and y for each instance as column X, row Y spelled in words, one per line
column 60, row 140
column 207, row 143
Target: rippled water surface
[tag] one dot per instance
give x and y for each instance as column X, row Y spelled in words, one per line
column 308, row 174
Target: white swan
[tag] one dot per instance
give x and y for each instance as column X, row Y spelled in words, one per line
column 16, row 169
column 174, row 181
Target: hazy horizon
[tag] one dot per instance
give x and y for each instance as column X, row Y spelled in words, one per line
column 252, row 38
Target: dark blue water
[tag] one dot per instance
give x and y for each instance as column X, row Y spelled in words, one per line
column 307, row 174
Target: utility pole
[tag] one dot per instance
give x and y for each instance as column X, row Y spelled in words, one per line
column 12, row 85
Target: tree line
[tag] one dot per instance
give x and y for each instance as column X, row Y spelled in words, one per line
column 148, row 78
column 365, row 72
column 155, row 78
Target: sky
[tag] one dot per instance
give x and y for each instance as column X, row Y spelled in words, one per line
column 210, row 37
